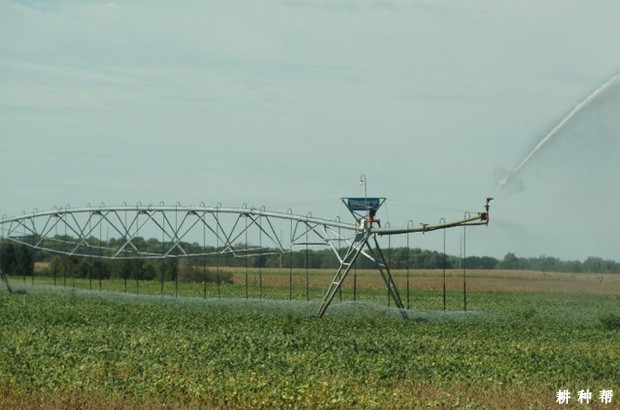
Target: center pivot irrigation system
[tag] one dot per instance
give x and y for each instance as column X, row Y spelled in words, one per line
column 118, row 232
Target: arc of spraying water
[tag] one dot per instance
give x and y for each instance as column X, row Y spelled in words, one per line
column 514, row 170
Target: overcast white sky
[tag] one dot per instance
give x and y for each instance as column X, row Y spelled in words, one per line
column 286, row 103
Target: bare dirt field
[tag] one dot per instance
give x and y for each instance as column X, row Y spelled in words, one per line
column 432, row 279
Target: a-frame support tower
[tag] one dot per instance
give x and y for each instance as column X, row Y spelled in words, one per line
column 361, row 245
column 5, row 280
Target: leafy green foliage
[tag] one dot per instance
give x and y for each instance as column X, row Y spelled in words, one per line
column 252, row 353
column 611, row 321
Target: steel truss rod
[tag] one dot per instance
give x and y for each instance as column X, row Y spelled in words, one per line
column 174, row 224
column 347, row 261
column 384, row 270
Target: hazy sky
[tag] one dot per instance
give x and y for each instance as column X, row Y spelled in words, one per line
column 286, row 103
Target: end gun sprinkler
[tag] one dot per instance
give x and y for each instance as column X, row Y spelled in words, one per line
column 485, row 215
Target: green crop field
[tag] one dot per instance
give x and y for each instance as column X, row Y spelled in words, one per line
column 519, row 342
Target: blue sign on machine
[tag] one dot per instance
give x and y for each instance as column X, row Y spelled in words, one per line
column 363, row 204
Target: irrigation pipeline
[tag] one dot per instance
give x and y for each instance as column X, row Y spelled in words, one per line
column 178, row 224
column 230, row 229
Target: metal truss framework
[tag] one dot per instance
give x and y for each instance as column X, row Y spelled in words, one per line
column 118, row 232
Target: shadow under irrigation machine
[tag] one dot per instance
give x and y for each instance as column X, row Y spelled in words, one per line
column 79, row 232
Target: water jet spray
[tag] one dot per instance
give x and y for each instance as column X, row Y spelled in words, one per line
column 511, row 171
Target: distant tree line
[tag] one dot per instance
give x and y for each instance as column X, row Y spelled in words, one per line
column 551, row 264
column 20, row 259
